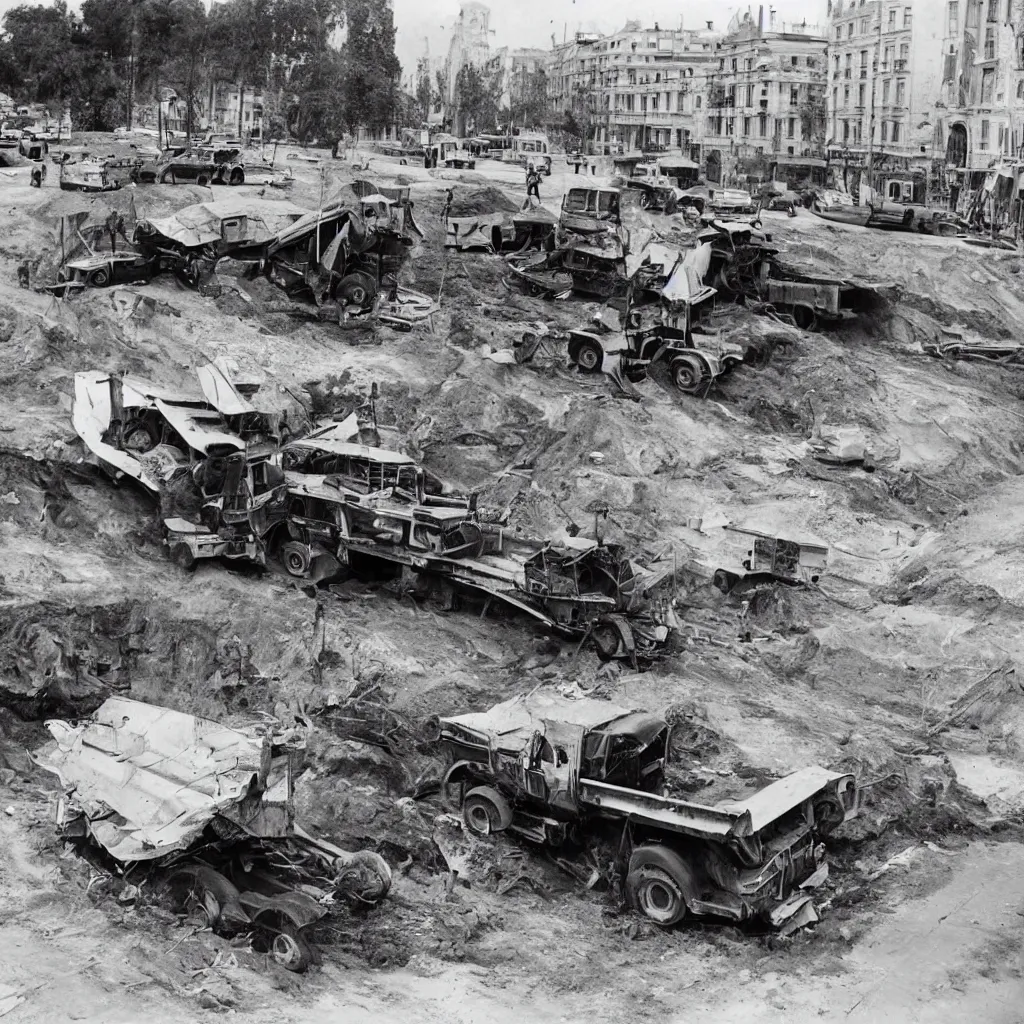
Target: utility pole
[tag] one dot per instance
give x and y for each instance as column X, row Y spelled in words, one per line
column 871, row 123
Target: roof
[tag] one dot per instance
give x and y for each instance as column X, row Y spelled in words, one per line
column 523, row 715
column 164, row 773
column 201, row 224
column 351, row 449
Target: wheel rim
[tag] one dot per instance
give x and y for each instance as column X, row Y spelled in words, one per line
column 659, row 897
column 588, row 358
column 138, row 440
column 295, row 563
column 286, row 950
column 686, row 376
column 478, row 818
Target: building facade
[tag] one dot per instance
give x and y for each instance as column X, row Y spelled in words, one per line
column 765, row 98
column 639, row 89
column 519, row 74
column 470, row 45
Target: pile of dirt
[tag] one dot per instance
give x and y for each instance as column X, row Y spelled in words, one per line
column 477, row 200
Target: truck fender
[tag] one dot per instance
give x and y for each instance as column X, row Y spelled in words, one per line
column 453, row 784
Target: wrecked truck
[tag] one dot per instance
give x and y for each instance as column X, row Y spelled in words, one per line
column 551, row 769
column 209, row 461
column 206, row 812
column 370, row 509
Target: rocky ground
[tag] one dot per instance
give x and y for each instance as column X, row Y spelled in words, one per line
column 900, row 666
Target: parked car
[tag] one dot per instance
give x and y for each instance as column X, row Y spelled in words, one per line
column 108, row 268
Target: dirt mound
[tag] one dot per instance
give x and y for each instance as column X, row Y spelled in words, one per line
column 475, row 200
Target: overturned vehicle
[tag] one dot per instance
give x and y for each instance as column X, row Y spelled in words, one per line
column 553, row 770
column 206, row 813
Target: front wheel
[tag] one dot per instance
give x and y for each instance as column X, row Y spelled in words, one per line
column 687, row 374
column 295, row 557
column 485, row 811
column 100, row 278
column 237, row 176
column 182, row 556
column 589, row 356
column 291, row 950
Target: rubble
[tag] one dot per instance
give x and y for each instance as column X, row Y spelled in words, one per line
column 151, row 785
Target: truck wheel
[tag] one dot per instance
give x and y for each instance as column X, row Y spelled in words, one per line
column 829, row 814
column 167, row 178
column 589, row 356
column 181, row 555
column 356, row 289
column 645, row 200
column 687, row 374
column 100, row 278
column 237, row 176
column 485, row 810
column 657, row 882
column 725, row 580
column 805, row 318
column 290, row 949
column 202, row 180
column 295, row 558
column 607, row 641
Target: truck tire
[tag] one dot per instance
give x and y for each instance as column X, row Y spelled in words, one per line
column 658, row 882
column 485, row 810
column 237, row 176
column 181, row 555
column 202, row 180
column 100, row 278
column 829, row 814
column 357, row 289
column 645, row 200
column 589, row 356
column 725, row 580
column 295, row 558
column 688, row 373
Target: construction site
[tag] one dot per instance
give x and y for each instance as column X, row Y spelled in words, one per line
column 418, row 601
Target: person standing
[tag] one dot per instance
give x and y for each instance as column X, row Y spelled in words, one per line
column 532, row 185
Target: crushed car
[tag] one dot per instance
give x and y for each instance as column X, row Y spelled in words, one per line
column 953, row 344
column 206, row 812
column 502, row 232
column 554, row 770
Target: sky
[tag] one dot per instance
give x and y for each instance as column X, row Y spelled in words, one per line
column 518, row 23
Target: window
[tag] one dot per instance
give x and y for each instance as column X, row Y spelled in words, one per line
column 988, row 79
column 835, row 96
column 696, row 101
column 863, row 58
column 748, row 64
column 990, row 44
column 680, row 100
column 885, row 131
column 794, row 61
column 762, row 128
column 849, row 31
column 860, row 94
column 730, row 126
column 908, row 15
column 993, row 12
column 839, row 31
column 794, row 95
column 864, row 28
column 904, row 52
column 746, row 126
column 895, row 131
column 885, row 91
column 953, row 17
column 846, row 95
column 892, row 20
column 734, row 63
column 846, row 131
column 901, row 92
column 791, row 128
column 750, row 96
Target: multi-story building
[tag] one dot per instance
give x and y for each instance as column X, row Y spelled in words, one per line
column 470, row 45
column 765, row 98
column 520, row 74
column 637, row 89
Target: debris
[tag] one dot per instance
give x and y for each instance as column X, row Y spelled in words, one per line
column 542, row 766
column 773, row 559
column 9, row 811
column 146, row 782
column 10, row 498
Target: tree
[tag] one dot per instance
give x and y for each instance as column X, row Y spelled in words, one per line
column 814, row 122
column 424, row 93
column 528, row 98
column 581, row 118
column 477, row 98
column 242, row 36
column 371, row 72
